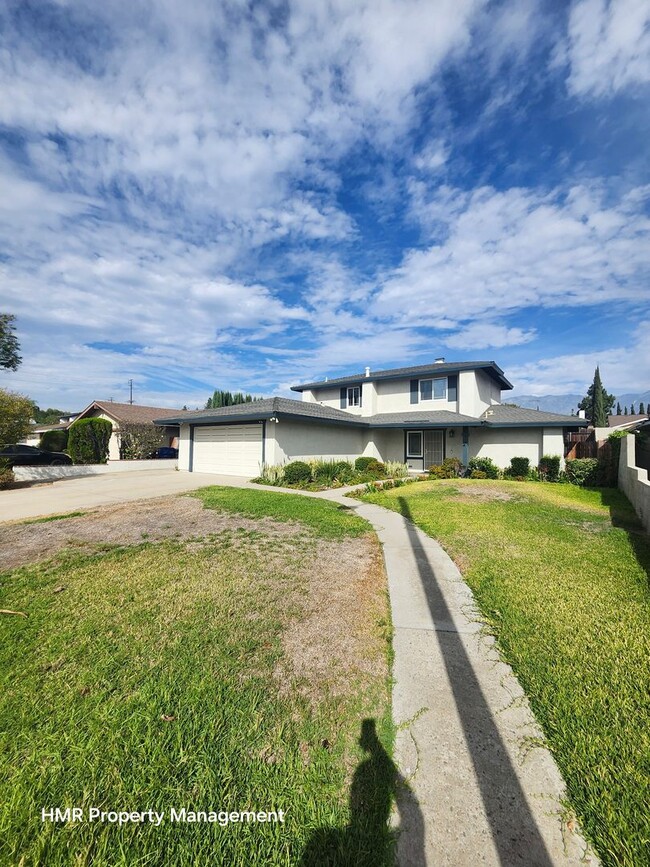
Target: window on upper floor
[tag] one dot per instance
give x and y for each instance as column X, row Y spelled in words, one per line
column 354, row 396
column 433, row 389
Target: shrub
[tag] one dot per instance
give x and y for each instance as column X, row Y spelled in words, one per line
column 437, row 471
column 373, row 470
column 396, row 470
column 519, row 468
column 327, row 472
column 583, row 471
column 453, row 467
column 272, row 474
column 6, row 474
column 297, row 472
column 139, row 441
column 549, row 468
column 483, row 465
column 53, row 440
column 88, row 440
column 16, row 411
column 478, row 474
column 361, row 463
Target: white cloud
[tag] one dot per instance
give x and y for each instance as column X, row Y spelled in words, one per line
column 622, row 368
column 502, row 252
column 608, row 46
column 486, row 335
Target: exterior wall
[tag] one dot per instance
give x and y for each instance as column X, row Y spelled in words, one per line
column 476, row 392
column 332, row 397
column 297, row 441
column 184, row 448
column 394, row 395
column 633, row 481
column 385, row 444
column 25, row 474
column 553, row 443
column 501, row 444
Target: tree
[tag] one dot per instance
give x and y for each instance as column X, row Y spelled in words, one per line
column 15, row 416
column 227, row 398
column 632, row 411
column 598, row 403
column 9, row 346
column 47, row 416
column 625, row 411
column 88, row 440
column 618, row 409
column 641, row 408
column 139, row 441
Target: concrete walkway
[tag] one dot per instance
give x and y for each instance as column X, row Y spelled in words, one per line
column 481, row 791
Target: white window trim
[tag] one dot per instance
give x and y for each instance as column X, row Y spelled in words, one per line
column 410, row 454
column 351, row 391
column 433, row 380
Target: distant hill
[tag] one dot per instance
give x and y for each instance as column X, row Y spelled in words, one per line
column 564, row 403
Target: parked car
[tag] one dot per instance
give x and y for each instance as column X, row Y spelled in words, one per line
column 167, row 452
column 29, row 456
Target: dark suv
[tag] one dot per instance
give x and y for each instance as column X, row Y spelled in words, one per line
column 29, row 456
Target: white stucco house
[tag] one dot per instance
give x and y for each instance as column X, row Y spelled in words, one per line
column 419, row 415
column 121, row 413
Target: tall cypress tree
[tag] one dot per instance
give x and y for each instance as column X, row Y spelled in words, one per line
column 598, row 403
column 632, row 410
column 641, row 409
column 618, row 409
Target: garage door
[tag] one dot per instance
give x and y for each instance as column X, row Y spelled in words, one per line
column 233, row 449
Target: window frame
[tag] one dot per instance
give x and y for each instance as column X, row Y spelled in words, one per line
column 351, row 391
column 409, row 453
column 432, row 381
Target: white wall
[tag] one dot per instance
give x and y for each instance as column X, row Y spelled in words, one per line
column 501, row 444
column 477, row 392
column 28, row 474
column 394, row 395
column 633, row 481
column 299, row 441
column 184, row 448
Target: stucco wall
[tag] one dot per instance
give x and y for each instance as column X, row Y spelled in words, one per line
column 184, row 448
column 501, row 444
column 477, row 391
column 300, row 441
column 633, row 481
column 394, row 395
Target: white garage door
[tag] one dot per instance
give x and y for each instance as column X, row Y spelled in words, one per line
column 233, row 449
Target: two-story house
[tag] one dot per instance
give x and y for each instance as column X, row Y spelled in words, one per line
column 420, row 415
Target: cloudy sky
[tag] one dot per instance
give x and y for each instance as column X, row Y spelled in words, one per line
column 206, row 194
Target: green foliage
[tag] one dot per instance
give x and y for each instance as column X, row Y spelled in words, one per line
column 6, row 474
column 227, row 398
column 362, row 462
column 484, row 465
column 272, row 474
column 396, row 470
column 329, row 472
column 598, row 403
column 139, row 441
column 519, row 468
column 618, row 409
column 47, row 416
column 449, row 469
column 88, row 440
column 549, row 468
column 478, row 474
column 632, row 410
column 53, row 440
column 375, row 469
column 9, row 346
column 15, row 416
column 583, row 472
column 297, row 472
column 641, row 408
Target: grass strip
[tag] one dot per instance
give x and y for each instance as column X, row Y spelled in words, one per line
column 328, row 520
column 561, row 575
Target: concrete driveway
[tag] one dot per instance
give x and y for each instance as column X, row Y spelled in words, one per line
column 71, row 495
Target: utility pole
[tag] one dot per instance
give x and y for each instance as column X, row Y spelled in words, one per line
column 131, row 391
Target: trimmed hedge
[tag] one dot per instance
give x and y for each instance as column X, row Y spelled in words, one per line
column 88, row 440
column 483, row 465
column 549, row 468
column 297, row 472
column 519, row 468
column 362, row 463
column 53, row 440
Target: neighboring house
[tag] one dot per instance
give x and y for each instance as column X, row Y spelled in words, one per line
column 33, row 437
column 419, row 415
column 121, row 413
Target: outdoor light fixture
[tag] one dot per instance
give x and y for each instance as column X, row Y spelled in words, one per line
column 452, row 433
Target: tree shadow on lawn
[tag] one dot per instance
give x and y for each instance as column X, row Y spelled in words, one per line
column 368, row 841
column 623, row 516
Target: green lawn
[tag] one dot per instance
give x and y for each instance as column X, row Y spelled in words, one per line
column 561, row 575
column 158, row 676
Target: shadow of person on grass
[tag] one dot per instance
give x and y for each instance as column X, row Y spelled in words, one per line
column 368, row 841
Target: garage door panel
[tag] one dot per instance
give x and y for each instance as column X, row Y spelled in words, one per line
column 234, row 450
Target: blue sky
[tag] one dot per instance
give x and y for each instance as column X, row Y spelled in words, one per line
column 247, row 195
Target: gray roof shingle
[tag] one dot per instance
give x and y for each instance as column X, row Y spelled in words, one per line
column 490, row 367
column 502, row 414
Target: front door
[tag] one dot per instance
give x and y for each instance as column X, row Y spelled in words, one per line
column 434, row 447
